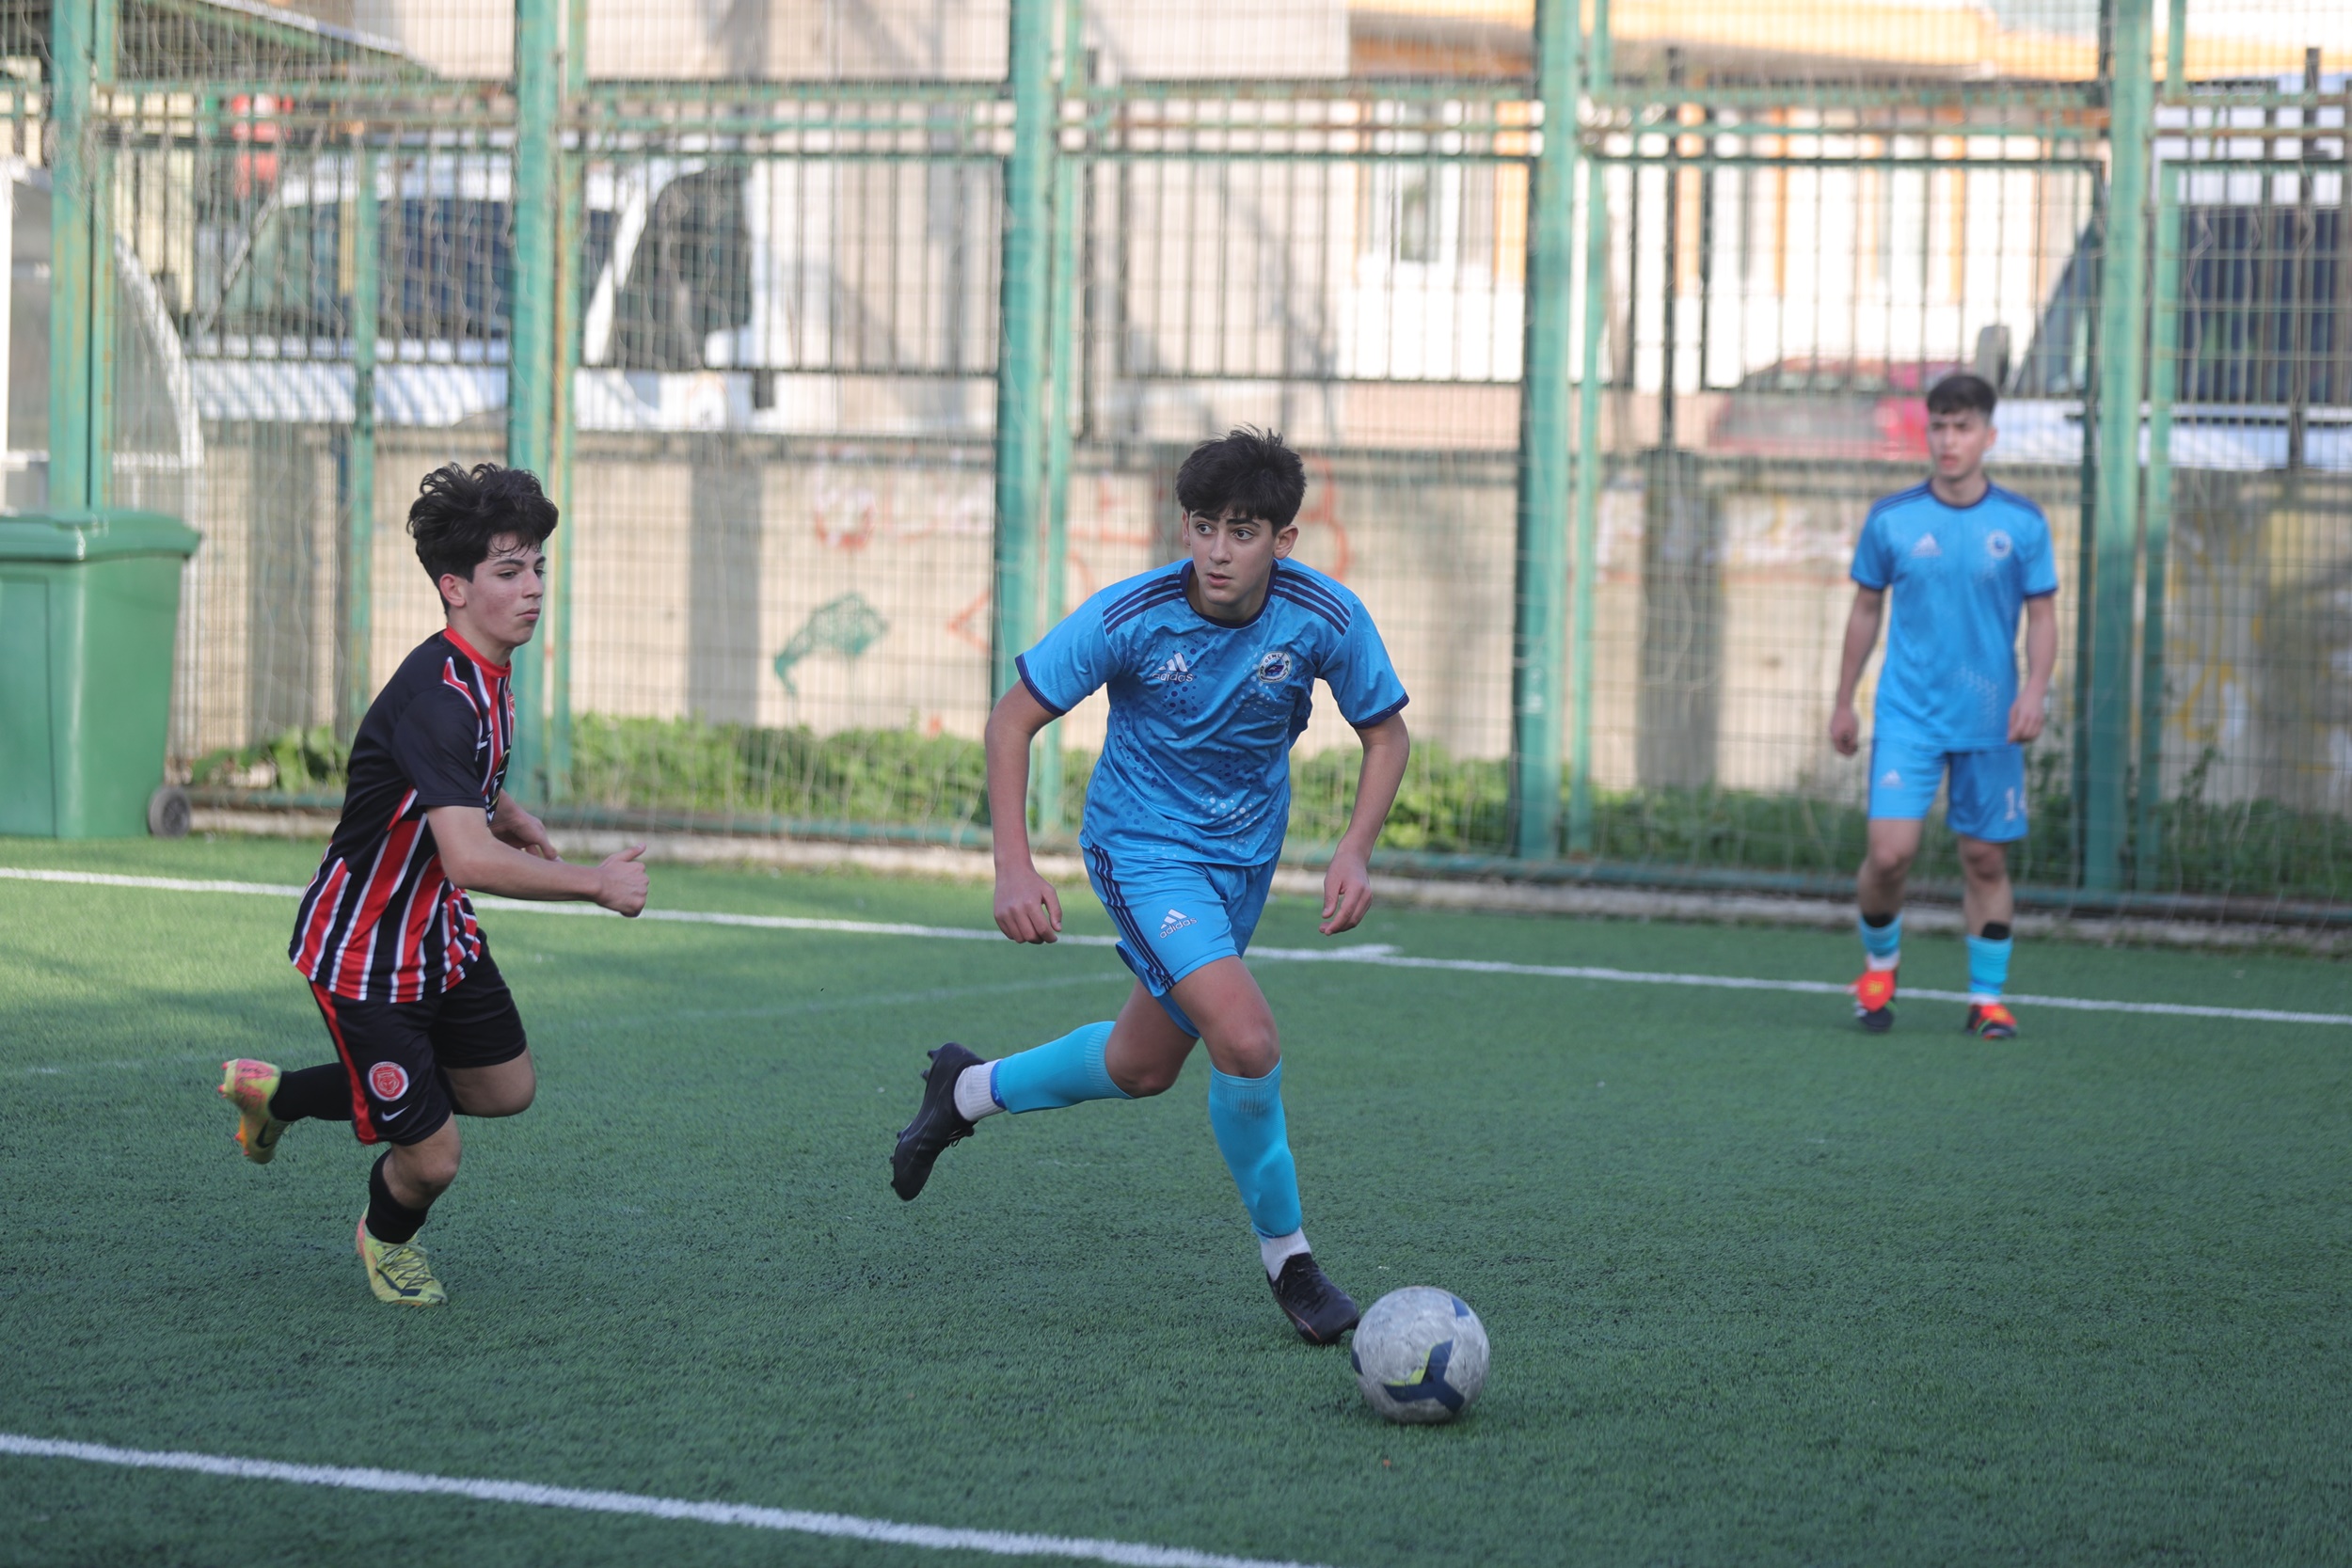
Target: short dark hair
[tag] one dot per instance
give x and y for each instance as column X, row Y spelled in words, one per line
column 1958, row 394
column 460, row 512
column 1247, row 469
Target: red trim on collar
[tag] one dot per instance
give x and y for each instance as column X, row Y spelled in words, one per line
column 499, row 671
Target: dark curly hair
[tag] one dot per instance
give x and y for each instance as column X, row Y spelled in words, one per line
column 1248, row 470
column 459, row 513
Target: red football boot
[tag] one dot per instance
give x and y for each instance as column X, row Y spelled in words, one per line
column 1874, row 1001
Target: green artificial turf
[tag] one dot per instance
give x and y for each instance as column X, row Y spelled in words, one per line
column 1760, row 1289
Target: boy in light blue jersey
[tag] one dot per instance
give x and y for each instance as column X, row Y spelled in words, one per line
column 1961, row 557
column 1210, row 665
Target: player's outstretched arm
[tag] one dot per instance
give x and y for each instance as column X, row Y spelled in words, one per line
column 1347, row 881
column 1862, row 635
column 1028, row 908
column 2033, row 698
column 477, row 861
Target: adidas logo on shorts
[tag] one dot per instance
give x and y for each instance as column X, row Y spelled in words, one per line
column 1177, row 920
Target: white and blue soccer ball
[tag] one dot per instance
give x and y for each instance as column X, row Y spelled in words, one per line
column 1419, row 1356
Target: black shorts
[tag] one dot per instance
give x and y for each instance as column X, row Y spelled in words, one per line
column 398, row 1053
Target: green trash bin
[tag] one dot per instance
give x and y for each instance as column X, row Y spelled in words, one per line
column 90, row 608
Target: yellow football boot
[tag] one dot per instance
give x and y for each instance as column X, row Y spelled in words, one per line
column 399, row 1273
column 247, row 1084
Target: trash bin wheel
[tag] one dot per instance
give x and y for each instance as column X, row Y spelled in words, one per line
column 167, row 812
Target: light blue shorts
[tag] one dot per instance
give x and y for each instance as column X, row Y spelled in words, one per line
column 1988, row 799
column 1173, row 915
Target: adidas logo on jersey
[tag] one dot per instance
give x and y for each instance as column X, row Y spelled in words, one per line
column 1173, row 670
column 1927, row 547
column 1177, row 919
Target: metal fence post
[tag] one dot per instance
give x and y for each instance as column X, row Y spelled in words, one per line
column 570, row 235
column 360, row 522
column 1020, row 341
column 1589, row 461
column 2163, row 384
column 1539, row 601
column 73, row 256
column 2122, row 304
column 1046, row 775
column 531, row 345
column 105, row 15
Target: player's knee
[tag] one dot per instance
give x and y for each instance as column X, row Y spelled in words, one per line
column 499, row 1092
column 429, row 1171
column 1984, row 862
column 1250, row 1049
column 1888, row 861
column 1142, row 1081
column 511, row 1101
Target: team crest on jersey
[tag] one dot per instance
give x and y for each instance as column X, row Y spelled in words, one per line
column 1171, row 671
column 1927, row 547
column 1996, row 545
column 1177, row 920
column 387, row 1080
column 1275, row 668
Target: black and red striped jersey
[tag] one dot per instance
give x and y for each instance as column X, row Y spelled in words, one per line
column 381, row 921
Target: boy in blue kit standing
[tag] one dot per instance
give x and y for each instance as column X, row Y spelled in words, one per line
column 1210, row 665
column 1963, row 555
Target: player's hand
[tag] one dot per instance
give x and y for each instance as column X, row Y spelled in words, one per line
column 519, row 828
column 2026, row 717
column 1028, row 908
column 1845, row 730
column 621, row 882
column 1346, row 891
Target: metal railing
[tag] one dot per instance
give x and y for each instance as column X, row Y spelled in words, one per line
column 854, row 363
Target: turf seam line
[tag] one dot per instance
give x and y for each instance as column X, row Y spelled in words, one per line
column 1377, row 955
column 796, row 1521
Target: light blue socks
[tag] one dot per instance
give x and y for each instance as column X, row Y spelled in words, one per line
column 1246, row 1113
column 1059, row 1072
column 1988, row 954
column 1988, row 964
column 1882, row 945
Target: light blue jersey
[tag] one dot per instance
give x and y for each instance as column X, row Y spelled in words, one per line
column 1961, row 577
column 1196, row 762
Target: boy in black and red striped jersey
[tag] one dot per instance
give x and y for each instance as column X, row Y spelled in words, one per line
column 422, row 1024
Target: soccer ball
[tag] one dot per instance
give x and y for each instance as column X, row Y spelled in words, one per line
column 1419, row 1356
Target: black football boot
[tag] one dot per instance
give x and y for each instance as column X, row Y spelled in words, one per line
column 937, row 1122
column 1320, row 1310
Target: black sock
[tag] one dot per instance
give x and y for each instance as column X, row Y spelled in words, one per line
column 323, row 1092
column 1995, row 930
column 1879, row 922
column 390, row 1220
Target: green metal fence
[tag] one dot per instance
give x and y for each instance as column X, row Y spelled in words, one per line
column 859, row 341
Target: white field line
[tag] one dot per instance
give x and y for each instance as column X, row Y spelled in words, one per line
column 842, row 1525
column 138, row 1063
column 1378, row 956
column 160, row 884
